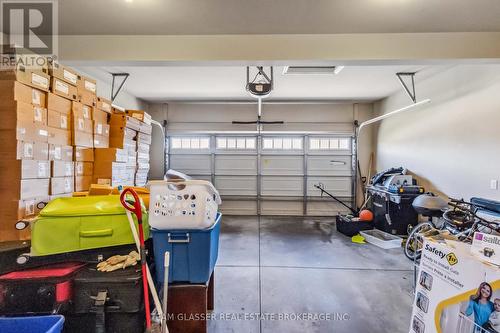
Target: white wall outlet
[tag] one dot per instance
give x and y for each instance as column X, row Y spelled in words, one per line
column 494, row 184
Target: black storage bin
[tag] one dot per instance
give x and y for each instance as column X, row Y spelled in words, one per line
column 349, row 228
column 107, row 299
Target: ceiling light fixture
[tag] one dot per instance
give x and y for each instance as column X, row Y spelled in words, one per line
column 312, row 70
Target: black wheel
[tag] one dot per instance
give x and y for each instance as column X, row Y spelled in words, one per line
column 21, row 225
column 23, row 259
column 414, row 243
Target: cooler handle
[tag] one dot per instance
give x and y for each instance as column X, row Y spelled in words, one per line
column 97, row 233
column 171, row 239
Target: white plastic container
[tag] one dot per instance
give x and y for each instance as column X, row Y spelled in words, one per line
column 381, row 239
column 187, row 204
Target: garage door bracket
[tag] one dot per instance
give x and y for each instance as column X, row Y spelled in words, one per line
column 411, row 76
column 124, row 77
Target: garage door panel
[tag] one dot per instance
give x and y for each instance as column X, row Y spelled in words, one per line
column 282, row 165
column 273, row 207
column 236, row 185
column 238, row 207
column 191, row 164
column 236, row 165
column 325, row 208
column 338, row 186
column 329, row 165
column 282, row 186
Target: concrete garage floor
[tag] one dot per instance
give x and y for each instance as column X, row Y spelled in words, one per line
column 290, row 265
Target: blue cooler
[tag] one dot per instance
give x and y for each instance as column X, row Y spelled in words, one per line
column 193, row 253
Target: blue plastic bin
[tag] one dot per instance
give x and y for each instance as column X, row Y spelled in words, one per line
column 193, row 253
column 37, row 324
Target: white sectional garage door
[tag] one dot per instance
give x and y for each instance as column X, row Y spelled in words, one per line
column 269, row 174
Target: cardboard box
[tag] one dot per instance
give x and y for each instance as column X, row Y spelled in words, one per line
column 110, row 155
column 60, row 185
column 63, row 195
column 22, row 60
column 101, row 141
column 122, row 120
column 63, row 73
column 30, row 207
column 140, row 115
column 145, row 128
column 62, row 169
column 59, row 136
column 87, row 98
column 82, row 183
column 87, row 84
column 26, row 150
column 101, row 129
column 143, row 147
column 83, row 154
column 13, row 90
column 79, row 110
column 103, row 104
column 82, row 139
column 26, row 131
column 20, row 189
column 100, row 116
column 142, row 157
column 58, row 103
column 24, row 169
column 144, row 138
column 63, row 89
column 58, row 120
column 11, row 114
column 35, row 79
column 120, row 136
column 449, row 279
column 84, row 168
column 60, row 153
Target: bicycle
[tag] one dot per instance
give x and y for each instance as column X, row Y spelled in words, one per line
column 461, row 221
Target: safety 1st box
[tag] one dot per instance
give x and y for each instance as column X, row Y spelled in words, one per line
column 486, row 247
column 456, row 292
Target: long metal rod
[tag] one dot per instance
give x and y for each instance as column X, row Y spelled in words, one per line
column 390, row 114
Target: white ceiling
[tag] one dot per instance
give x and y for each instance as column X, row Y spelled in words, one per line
column 161, row 84
column 200, row 17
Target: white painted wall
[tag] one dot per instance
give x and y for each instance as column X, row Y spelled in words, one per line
column 452, row 144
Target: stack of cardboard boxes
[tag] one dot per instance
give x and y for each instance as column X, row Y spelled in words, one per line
column 25, row 167
column 54, row 134
column 128, row 164
column 143, row 144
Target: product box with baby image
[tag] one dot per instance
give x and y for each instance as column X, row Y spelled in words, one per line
column 456, row 291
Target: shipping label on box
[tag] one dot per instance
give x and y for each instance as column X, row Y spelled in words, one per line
column 455, row 290
column 86, row 83
column 63, row 89
column 61, row 153
column 486, row 247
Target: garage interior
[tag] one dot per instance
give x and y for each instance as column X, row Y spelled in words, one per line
column 405, row 91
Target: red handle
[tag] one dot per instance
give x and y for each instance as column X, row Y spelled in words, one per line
column 136, row 207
